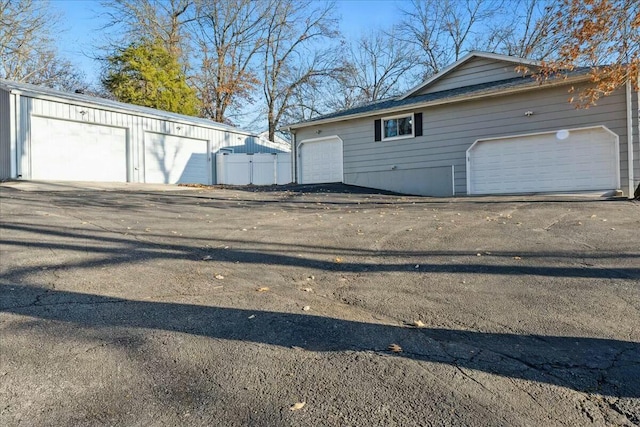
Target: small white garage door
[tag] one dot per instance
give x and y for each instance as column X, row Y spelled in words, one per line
column 170, row 159
column 321, row 160
column 74, row 151
column 567, row 160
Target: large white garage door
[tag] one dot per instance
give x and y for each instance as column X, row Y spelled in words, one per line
column 321, row 161
column 171, row 159
column 74, row 151
column 566, row 160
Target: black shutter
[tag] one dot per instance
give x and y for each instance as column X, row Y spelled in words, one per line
column 417, row 120
column 377, row 130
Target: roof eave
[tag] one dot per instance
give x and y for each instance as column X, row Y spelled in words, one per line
column 124, row 109
column 452, row 100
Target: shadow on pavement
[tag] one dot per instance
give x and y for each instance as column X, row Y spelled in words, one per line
column 583, row 364
column 119, row 250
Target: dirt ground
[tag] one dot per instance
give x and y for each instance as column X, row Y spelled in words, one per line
column 162, row 305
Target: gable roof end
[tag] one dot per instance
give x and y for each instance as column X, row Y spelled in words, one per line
column 467, row 58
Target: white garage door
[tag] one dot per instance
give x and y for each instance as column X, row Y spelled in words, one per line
column 573, row 160
column 171, row 159
column 321, row 161
column 74, row 151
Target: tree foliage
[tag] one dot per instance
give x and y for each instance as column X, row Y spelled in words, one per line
column 27, row 50
column 147, row 74
column 601, row 34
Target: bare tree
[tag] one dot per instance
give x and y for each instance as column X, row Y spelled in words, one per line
column 229, row 36
column 293, row 54
column 525, row 30
column 379, row 63
column 442, row 31
column 27, row 52
column 163, row 20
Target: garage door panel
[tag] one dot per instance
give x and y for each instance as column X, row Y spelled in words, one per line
column 169, row 159
column 75, row 151
column 585, row 160
column 321, row 161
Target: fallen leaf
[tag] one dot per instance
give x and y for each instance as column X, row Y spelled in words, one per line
column 262, row 289
column 296, row 406
column 394, row 348
column 219, row 276
column 338, row 260
column 516, row 257
column 306, row 308
column 419, row 324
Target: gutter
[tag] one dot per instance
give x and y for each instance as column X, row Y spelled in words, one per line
column 630, row 194
column 451, row 100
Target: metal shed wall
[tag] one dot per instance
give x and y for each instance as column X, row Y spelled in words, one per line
column 5, row 134
column 136, row 124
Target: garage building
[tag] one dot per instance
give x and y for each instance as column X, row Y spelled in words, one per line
column 46, row 134
column 478, row 127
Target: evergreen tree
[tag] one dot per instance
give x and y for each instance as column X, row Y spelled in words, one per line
column 146, row 74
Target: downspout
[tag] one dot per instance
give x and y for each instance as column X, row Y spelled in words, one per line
column 638, row 123
column 630, row 140
column 294, row 156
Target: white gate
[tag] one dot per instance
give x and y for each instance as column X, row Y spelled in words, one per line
column 255, row 169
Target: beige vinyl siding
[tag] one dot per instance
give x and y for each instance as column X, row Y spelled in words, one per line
column 473, row 72
column 449, row 130
column 5, row 135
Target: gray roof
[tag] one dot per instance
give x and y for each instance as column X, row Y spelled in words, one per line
column 461, row 92
column 40, row 91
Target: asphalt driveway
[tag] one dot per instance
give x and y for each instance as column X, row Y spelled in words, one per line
column 164, row 305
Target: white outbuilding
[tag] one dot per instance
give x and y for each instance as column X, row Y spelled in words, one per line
column 47, row 134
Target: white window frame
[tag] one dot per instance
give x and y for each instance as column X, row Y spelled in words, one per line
column 399, row 116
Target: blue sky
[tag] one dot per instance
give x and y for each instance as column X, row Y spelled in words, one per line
column 81, row 21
